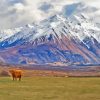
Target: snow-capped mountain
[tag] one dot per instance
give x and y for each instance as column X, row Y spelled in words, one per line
column 69, row 37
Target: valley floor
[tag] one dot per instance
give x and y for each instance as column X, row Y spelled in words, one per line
column 50, row 88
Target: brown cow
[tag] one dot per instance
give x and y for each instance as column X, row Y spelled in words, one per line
column 16, row 73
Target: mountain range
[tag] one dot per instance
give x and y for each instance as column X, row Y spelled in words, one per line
column 69, row 37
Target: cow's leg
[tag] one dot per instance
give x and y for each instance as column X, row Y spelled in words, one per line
column 13, row 78
column 13, row 75
column 20, row 78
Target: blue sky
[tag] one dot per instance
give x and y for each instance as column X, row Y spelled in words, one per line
column 15, row 13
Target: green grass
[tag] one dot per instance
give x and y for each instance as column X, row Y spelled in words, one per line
column 50, row 88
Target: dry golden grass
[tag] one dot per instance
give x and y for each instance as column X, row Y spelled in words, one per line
column 50, row 88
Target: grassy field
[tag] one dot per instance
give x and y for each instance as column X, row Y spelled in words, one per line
column 50, row 88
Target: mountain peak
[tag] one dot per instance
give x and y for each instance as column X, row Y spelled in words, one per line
column 29, row 26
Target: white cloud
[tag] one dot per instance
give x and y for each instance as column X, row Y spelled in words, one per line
column 15, row 13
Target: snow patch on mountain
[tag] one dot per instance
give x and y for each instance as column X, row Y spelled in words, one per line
column 4, row 34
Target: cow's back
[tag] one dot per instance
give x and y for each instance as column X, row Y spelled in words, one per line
column 15, row 72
